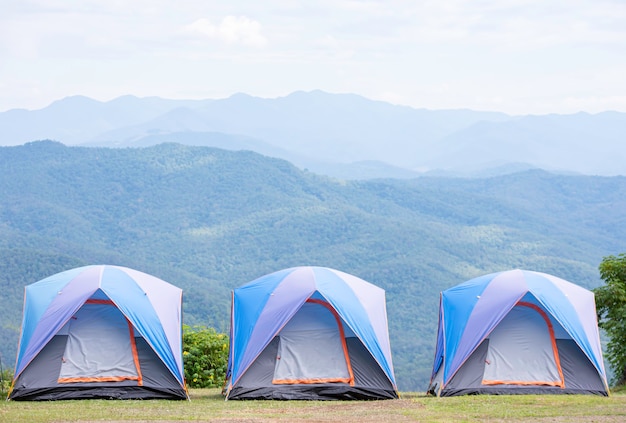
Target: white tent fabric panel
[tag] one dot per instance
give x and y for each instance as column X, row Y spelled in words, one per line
column 311, row 348
column 99, row 345
column 521, row 351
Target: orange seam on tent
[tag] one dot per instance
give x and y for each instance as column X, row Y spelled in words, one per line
column 310, row 381
column 443, row 331
column 341, row 334
column 231, row 351
column 133, row 347
column 96, row 379
column 133, row 344
column 443, row 382
column 555, row 352
column 520, row 382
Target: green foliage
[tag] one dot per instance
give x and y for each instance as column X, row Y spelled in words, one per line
column 6, row 376
column 205, row 354
column 611, row 309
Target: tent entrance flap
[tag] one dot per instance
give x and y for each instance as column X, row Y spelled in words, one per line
column 312, row 348
column 100, row 346
column 523, row 351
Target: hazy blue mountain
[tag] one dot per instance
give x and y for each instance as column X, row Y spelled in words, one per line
column 175, row 123
column 334, row 128
column 584, row 143
column 333, row 133
column 340, row 127
column 209, row 220
column 358, row 170
column 367, row 169
column 486, row 171
column 77, row 119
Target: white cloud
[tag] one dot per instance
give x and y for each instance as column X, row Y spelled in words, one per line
column 231, row 30
column 515, row 56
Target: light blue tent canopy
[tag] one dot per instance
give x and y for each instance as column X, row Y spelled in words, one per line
column 78, row 322
column 518, row 331
column 338, row 310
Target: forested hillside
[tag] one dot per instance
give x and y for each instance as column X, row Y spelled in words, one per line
column 209, row 220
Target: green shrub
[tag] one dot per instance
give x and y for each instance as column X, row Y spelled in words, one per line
column 6, row 376
column 205, row 355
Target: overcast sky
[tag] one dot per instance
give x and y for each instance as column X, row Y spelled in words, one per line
column 514, row 56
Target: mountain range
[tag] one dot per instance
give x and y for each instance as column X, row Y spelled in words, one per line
column 209, row 220
column 340, row 135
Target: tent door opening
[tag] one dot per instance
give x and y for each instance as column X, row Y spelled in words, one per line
column 312, row 348
column 522, row 350
column 100, row 346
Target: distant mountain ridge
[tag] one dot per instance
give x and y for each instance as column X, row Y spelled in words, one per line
column 328, row 133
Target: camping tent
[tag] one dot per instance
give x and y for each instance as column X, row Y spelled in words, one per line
column 517, row 332
column 100, row 332
column 309, row 333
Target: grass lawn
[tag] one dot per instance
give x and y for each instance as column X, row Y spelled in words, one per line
column 208, row 405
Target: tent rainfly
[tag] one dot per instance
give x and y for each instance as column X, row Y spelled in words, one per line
column 100, row 332
column 518, row 332
column 309, row 333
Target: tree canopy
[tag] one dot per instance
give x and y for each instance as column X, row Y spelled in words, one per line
column 611, row 309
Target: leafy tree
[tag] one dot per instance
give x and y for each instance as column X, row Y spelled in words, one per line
column 205, row 354
column 611, row 309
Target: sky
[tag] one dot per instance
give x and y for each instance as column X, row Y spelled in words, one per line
column 512, row 56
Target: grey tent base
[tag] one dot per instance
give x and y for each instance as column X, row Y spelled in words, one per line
column 97, row 392
column 370, row 382
column 579, row 374
column 38, row 382
column 312, row 392
column 520, row 390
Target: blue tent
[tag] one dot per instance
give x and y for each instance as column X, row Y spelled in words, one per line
column 517, row 332
column 309, row 333
column 100, row 332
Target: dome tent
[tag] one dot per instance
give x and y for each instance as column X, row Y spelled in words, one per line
column 100, row 332
column 309, row 333
column 517, row 332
